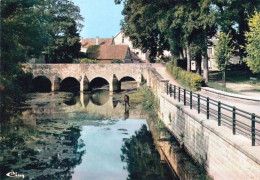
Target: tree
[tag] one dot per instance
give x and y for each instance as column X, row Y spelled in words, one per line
column 139, row 24
column 223, row 53
column 232, row 17
column 22, row 32
column 253, row 43
column 29, row 27
column 63, row 25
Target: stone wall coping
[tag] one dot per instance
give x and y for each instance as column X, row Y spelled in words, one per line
column 223, row 93
column 240, row 142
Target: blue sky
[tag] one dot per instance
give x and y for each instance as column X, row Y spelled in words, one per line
column 101, row 18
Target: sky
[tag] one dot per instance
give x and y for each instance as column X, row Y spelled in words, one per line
column 101, row 18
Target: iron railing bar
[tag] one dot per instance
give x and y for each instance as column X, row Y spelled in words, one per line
column 239, row 122
column 249, row 118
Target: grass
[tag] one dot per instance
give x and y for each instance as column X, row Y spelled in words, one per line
column 145, row 97
column 237, row 76
column 217, row 86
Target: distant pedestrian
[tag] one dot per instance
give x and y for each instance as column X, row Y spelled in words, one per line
column 126, row 99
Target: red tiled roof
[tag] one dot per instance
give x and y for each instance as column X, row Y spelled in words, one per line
column 101, row 41
column 112, row 52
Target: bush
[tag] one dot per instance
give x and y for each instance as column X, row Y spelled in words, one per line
column 117, row 61
column 86, row 61
column 193, row 81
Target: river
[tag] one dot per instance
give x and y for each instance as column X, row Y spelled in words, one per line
column 88, row 136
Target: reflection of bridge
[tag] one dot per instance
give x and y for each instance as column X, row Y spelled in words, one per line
column 103, row 105
column 84, row 74
column 110, row 108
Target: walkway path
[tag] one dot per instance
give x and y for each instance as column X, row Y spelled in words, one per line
column 246, row 105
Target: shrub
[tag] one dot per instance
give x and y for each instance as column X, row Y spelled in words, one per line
column 192, row 80
column 117, row 61
column 86, row 61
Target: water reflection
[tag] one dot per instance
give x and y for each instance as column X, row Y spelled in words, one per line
column 40, row 153
column 142, row 158
column 85, row 136
column 46, row 142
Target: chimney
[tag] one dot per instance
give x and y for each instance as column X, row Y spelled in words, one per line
column 97, row 40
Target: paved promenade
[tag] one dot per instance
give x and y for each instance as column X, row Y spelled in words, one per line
column 246, row 105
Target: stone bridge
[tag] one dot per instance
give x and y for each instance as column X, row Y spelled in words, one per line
column 85, row 74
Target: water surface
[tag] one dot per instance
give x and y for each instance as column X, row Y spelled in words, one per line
column 84, row 136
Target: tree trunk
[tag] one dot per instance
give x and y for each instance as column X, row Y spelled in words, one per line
column 188, row 60
column 224, row 78
column 198, row 63
column 205, row 68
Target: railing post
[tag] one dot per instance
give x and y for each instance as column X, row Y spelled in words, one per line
column 207, row 107
column 219, row 113
column 179, row 94
column 234, row 120
column 190, row 99
column 174, row 91
column 167, row 88
column 253, row 129
column 184, row 94
column 170, row 90
column 198, row 103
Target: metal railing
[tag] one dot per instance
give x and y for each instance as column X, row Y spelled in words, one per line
column 240, row 121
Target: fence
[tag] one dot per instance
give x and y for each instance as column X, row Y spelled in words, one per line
column 240, row 121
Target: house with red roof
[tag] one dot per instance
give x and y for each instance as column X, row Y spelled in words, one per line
column 109, row 51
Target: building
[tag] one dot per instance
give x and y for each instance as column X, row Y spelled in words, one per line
column 212, row 63
column 109, row 50
column 121, row 39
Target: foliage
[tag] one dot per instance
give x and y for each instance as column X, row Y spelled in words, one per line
column 117, row 61
column 223, row 51
column 28, row 28
column 253, row 43
column 146, row 97
column 193, row 81
column 232, row 17
column 141, row 156
column 86, row 61
column 92, row 52
column 62, row 26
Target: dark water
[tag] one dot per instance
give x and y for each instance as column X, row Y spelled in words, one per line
column 86, row 136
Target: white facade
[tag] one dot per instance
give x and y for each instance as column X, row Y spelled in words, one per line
column 120, row 39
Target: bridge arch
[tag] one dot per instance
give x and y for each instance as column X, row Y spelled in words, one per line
column 70, row 84
column 98, row 82
column 41, row 84
column 127, row 82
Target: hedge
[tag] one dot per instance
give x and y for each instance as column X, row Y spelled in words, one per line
column 192, row 80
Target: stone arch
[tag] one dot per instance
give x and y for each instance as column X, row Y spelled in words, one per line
column 128, row 82
column 41, row 84
column 70, row 84
column 98, row 82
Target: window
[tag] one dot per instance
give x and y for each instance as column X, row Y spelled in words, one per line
column 123, row 40
column 210, row 52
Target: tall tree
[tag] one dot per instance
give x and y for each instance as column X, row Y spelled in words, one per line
column 63, row 25
column 140, row 25
column 253, row 43
column 223, row 53
column 29, row 27
column 232, row 17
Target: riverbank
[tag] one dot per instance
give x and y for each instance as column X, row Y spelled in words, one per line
column 171, row 151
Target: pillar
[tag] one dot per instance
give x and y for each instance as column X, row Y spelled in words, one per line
column 84, row 84
column 55, row 84
column 114, row 85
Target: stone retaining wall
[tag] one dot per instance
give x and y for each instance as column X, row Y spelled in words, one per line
column 224, row 155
